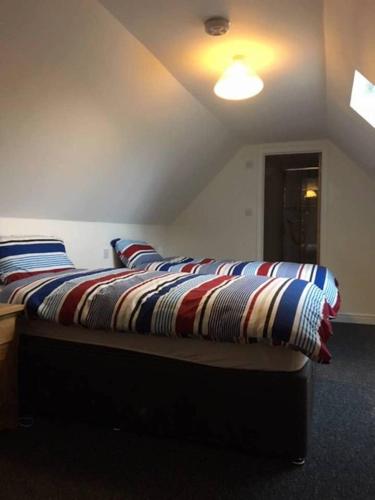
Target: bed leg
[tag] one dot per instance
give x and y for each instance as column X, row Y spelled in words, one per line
column 298, row 461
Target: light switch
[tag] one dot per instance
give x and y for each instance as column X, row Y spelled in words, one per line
column 106, row 253
column 248, row 212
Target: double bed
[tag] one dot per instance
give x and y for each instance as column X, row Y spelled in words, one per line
column 220, row 358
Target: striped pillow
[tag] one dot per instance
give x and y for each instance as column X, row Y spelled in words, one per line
column 23, row 256
column 133, row 253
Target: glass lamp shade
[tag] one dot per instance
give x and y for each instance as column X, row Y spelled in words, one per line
column 238, row 82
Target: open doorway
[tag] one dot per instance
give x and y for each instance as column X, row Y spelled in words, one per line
column 292, row 207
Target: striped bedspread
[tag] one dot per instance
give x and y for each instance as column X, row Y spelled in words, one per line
column 319, row 275
column 277, row 311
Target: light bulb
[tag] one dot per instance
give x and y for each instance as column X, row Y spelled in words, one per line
column 311, row 193
column 238, row 82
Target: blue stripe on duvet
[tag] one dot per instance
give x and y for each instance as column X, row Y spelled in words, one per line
column 38, row 297
column 286, row 310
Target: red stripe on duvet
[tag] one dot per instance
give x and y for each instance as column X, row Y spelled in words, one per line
column 325, row 331
column 193, row 266
column 188, row 309
column 264, row 268
column 19, row 276
column 336, row 306
column 206, row 261
column 188, row 268
column 68, row 309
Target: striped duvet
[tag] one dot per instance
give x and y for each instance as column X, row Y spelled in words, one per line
column 319, row 275
column 278, row 311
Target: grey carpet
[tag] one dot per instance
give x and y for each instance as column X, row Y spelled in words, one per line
column 53, row 461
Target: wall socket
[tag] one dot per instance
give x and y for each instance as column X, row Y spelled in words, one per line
column 106, row 253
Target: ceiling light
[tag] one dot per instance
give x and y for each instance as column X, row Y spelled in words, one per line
column 238, row 82
column 311, row 193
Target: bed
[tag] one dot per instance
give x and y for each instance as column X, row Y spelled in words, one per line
column 221, row 359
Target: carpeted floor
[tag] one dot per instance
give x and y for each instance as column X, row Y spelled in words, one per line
column 52, row 461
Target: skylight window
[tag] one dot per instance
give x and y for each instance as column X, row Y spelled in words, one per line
column 363, row 98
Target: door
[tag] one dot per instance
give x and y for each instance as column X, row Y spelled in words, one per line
column 291, row 208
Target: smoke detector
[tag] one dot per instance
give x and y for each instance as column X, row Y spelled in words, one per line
column 216, row 26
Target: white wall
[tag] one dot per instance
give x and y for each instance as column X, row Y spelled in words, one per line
column 215, row 224
column 349, row 237
column 92, row 125
column 85, row 241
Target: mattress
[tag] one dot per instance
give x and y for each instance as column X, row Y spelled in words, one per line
column 259, row 357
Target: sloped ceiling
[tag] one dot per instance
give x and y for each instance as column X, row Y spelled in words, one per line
column 107, row 109
column 92, row 126
column 282, row 40
column 305, row 51
column 350, row 44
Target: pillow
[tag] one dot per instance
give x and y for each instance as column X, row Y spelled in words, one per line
column 133, row 253
column 23, row 256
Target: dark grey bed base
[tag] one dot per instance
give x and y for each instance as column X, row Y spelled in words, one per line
column 262, row 412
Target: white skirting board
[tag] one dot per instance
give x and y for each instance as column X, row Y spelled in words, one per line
column 360, row 318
